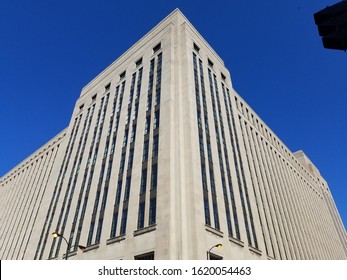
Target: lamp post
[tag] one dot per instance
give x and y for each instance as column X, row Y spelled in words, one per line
column 55, row 234
column 215, row 246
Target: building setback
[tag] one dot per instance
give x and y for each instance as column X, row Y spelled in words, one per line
column 163, row 159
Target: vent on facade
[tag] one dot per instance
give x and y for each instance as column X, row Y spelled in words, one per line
column 107, row 87
column 138, row 62
column 210, row 63
column 196, row 48
column 122, row 75
column 147, row 256
column 157, row 48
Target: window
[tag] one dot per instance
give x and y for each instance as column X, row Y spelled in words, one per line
column 131, row 159
column 90, row 235
column 122, row 75
column 138, row 62
column 128, row 115
column 141, row 216
column 157, row 96
column 119, row 189
column 149, row 102
column 133, row 133
column 114, row 224
column 154, row 177
column 223, row 76
column 104, row 199
column 122, row 162
column 157, row 48
column 207, row 212
column 209, row 152
column 155, row 145
column 94, row 97
column 145, row 150
column 148, row 121
column 125, row 139
column 196, row 48
column 152, row 211
column 127, row 188
column 214, row 257
column 123, row 225
column 136, row 111
column 107, row 87
column 81, row 106
column 112, row 148
column 147, row 256
column 213, row 189
column 156, row 120
column 199, row 120
column 203, row 176
column 207, row 130
column 201, row 145
column 143, row 181
column 210, row 63
column 98, row 231
column 215, row 215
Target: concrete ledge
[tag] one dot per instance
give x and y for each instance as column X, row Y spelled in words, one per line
column 115, row 239
column 255, row 250
column 145, row 230
column 70, row 254
column 213, row 230
column 236, row 241
column 91, row 247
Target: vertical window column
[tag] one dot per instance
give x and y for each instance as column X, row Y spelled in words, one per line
column 127, row 189
column 89, row 169
column 55, row 196
column 72, row 182
column 151, row 192
column 209, row 151
column 257, row 193
column 73, row 227
column 201, row 143
column 61, row 185
column 220, row 155
column 246, row 208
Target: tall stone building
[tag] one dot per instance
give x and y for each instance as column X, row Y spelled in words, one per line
column 163, row 159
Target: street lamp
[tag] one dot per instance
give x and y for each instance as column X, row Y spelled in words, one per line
column 209, row 251
column 55, row 234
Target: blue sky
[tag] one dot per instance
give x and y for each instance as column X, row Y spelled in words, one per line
column 50, row 49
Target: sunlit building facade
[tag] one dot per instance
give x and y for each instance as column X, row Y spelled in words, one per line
column 162, row 159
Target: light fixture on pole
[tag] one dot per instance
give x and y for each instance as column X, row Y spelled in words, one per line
column 55, row 234
column 209, row 251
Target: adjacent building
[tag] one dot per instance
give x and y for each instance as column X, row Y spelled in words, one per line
column 162, row 159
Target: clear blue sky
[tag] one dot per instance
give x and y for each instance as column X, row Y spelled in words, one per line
column 50, row 49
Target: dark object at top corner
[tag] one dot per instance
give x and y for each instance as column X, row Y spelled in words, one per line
column 332, row 26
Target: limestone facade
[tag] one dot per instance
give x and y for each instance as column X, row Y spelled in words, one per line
column 163, row 159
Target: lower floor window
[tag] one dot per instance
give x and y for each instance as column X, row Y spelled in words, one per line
column 146, row 256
